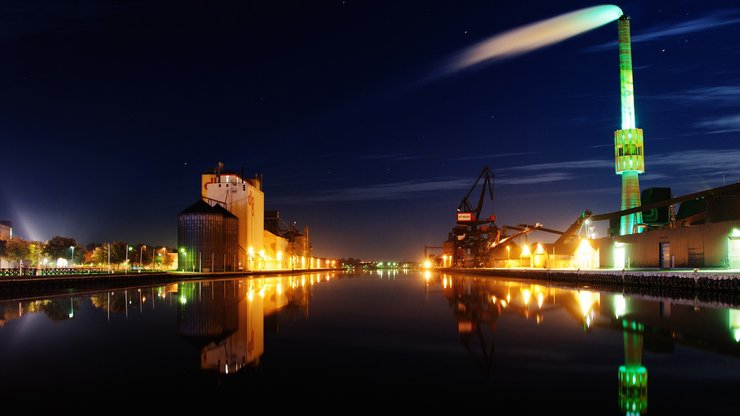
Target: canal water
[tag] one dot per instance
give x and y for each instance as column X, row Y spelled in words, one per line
column 408, row 335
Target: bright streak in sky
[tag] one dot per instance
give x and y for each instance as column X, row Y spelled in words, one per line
column 536, row 35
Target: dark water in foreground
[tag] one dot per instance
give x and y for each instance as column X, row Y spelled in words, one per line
column 487, row 342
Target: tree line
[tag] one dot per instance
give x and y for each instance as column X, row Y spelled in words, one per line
column 46, row 253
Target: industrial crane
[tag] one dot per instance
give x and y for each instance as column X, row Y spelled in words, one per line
column 472, row 235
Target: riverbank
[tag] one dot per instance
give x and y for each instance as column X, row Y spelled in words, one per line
column 718, row 287
column 711, row 280
column 30, row 285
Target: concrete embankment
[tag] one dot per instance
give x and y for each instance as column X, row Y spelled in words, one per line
column 718, row 286
column 700, row 280
column 14, row 286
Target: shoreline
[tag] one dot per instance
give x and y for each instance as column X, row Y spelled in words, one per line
column 697, row 288
column 69, row 284
column 706, row 280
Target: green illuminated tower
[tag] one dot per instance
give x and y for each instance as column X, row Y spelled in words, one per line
column 629, row 155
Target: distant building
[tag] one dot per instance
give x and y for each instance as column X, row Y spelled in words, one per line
column 6, row 230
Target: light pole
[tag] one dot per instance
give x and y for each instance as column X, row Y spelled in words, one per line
column 127, row 250
column 141, row 256
column 72, row 258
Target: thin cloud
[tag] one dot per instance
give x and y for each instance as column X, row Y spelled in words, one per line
column 654, row 176
column 598, row 146
column 724, row 124
column 535, row 179
column 412, row 189
column 381, row 192
column 572, row 164
column 492, row 156
column 724, row 95
column 713, row 20
column 716, row 161
column 391, row 157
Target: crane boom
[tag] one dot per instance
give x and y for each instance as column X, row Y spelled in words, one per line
column 473, row 233
column 465, row 211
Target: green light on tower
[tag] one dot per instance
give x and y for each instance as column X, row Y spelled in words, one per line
column 629, row 151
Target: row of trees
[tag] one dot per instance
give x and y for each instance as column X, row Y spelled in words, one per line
column 38, row 253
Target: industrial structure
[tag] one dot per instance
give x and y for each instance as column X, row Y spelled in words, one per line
column 226, row 230
column 629, row 154
column 652, row 229
column 213, row 230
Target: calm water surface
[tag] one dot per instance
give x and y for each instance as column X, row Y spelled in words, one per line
column 483, row 339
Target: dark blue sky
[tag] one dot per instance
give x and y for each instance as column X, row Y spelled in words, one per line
column 110, row 111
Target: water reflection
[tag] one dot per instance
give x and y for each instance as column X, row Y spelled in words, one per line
column 513, row 339
column 57, row 310
column 224, row 319
column 653, row 324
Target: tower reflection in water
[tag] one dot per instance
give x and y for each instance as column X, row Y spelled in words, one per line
column 646, row 322
column 227, row 319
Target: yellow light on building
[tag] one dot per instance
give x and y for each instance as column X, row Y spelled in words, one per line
column 585, row 256
column 539, row 249
column 620, row 256
column 525, row 251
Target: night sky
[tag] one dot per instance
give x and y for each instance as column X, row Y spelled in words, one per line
column 109, row 112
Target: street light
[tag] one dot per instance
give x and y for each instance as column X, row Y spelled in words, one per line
column 127, row 250
column 141, row 255
column 72, row 259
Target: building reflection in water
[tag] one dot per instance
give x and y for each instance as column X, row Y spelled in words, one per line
column 647, row 323
column 227, row 319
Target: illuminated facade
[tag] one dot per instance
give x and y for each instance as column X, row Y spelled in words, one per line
column 226, row 230
column 243, row 198
column 629, row 151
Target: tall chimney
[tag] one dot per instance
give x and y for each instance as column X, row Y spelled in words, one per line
column 629, row 151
